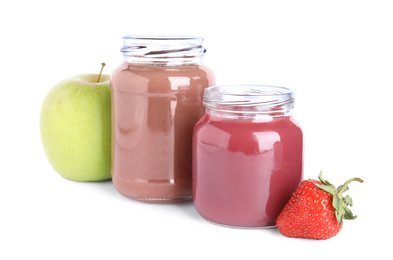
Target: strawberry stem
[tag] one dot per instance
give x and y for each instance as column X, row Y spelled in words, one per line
column 344, row 187
column 339, row 202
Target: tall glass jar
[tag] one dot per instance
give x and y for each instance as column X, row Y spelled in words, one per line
column 247, row 155
column 156, row 100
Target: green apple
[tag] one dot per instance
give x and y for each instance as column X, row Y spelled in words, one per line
column 75, row 124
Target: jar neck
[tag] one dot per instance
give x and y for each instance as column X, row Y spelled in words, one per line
column 248, row 102
column 163, row 50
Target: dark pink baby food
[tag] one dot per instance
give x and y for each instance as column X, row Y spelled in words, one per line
column 245, row 171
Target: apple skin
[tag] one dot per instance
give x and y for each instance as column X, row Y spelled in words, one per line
column 75, row 124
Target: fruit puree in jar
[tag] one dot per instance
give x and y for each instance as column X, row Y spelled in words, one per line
column 154, row 109
column 245, row 171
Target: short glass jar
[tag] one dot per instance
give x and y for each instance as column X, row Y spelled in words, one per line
column 156, row 99
column 247, row 155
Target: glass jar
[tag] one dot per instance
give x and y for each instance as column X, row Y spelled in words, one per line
column 247, row 155
column 156, row 99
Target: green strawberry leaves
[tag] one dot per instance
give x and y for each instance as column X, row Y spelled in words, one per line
column 340, row 203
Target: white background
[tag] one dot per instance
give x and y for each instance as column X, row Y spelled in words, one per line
column 336, row 55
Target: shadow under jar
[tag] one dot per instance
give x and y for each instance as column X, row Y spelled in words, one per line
column 156, row 99
column 247, row 155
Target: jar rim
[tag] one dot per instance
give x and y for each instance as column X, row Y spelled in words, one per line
column 249, row 98
column 163, row 37
column 165, row 50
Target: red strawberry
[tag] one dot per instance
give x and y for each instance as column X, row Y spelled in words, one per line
column 316, row 210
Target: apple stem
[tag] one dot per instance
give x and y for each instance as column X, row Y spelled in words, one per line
column 99, row 75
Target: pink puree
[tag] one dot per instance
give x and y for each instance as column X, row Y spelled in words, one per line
column 245, row 172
